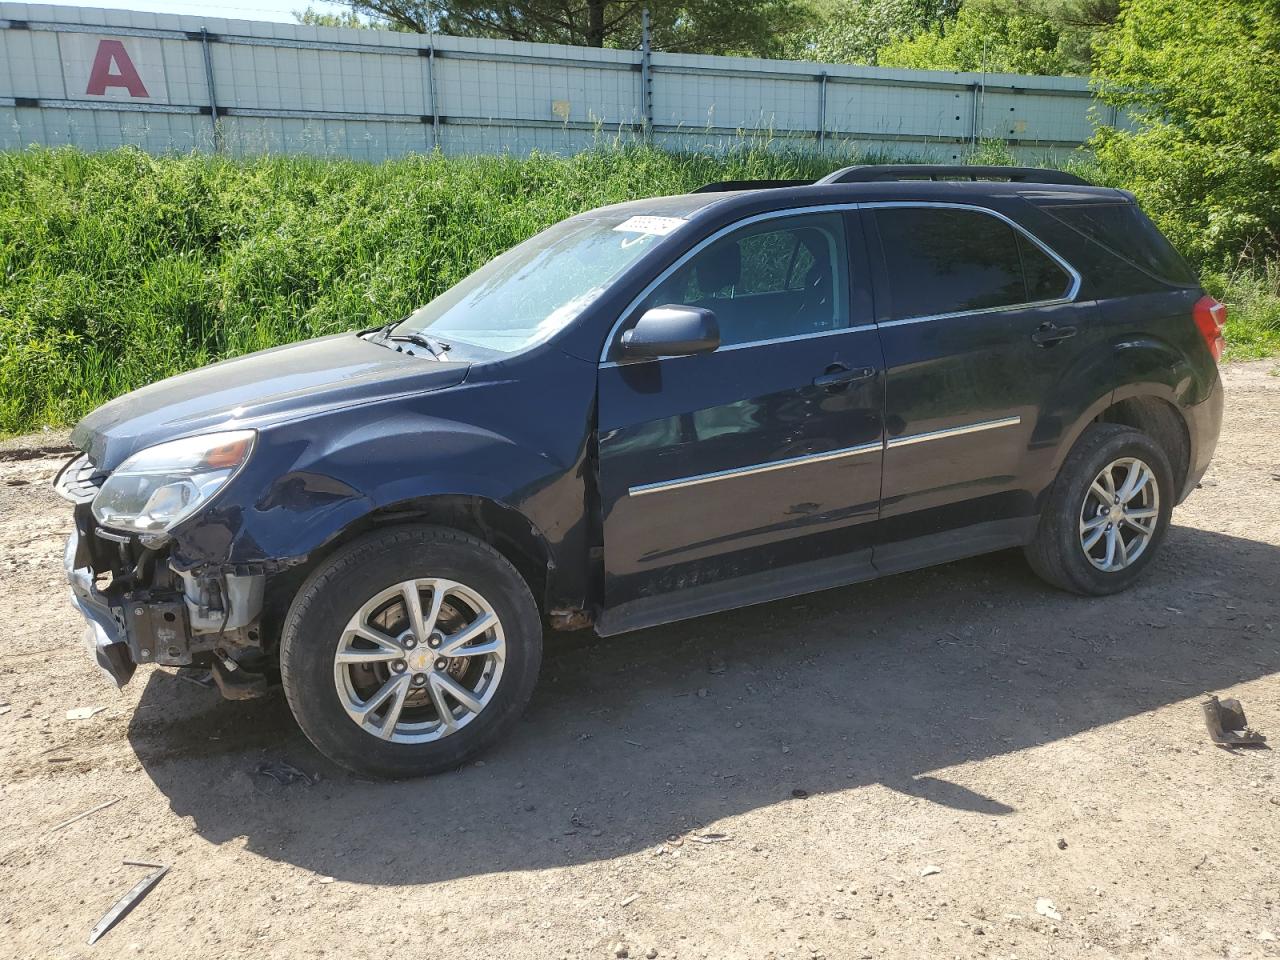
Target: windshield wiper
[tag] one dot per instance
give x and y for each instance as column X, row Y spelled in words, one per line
column 382, row 332
column 437, row 347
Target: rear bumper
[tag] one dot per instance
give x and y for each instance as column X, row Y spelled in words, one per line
column 1204, row 423
column 105, row 635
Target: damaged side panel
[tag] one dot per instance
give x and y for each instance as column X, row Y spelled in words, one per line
column 309, row 483
column 203, row 596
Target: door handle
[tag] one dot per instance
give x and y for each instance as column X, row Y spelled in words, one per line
column 839, row 373
column 1049, row 333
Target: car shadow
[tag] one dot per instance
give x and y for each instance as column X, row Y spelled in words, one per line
column 637, row 738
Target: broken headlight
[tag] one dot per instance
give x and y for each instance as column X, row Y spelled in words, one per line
column 159, row 487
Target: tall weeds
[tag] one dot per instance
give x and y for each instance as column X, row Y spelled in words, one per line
column 119, row 268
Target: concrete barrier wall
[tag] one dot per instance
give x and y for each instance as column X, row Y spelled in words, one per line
column 102, row 78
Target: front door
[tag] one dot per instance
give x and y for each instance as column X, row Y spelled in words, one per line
column 979, row 329
column 760, row 456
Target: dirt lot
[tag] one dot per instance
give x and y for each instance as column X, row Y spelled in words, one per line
column 779, row 781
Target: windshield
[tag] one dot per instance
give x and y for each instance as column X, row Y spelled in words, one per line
column 539, row 287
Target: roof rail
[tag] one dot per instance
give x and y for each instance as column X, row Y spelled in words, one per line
column 724, row 186
column 868, row 173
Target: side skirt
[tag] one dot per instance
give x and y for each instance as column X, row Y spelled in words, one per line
column 931, row 550
column 802, row 578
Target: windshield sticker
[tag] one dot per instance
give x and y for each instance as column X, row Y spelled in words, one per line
column 654, row 226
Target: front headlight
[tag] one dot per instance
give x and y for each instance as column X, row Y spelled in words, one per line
column 159, row 487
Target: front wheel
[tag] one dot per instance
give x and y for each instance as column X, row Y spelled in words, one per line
column 409, row 651
column 1107, row 512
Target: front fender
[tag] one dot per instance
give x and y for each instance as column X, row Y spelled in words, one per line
column 310, row 480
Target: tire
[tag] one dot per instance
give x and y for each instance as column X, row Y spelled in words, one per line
column 1058, row 554
column 346, row 588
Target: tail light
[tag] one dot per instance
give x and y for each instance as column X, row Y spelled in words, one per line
column 1211, row 317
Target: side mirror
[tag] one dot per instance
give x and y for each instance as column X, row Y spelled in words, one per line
column 672, row 331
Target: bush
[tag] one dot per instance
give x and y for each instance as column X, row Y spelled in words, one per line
column 121, row 268
column 991, row 40
column 1253, row 309
column 1202, row 78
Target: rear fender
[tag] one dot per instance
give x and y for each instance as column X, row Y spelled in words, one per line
column 1139, row 366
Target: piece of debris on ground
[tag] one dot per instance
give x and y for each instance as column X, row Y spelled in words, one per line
column 125, row 904
column 1227, row 725
column 285, row 773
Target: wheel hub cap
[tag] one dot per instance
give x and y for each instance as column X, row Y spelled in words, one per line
column 1119, row 515
column 419, row 660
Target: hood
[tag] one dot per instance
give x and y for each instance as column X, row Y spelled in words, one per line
column 284, row 383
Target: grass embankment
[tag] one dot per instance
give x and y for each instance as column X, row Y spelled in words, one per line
column 120, row 269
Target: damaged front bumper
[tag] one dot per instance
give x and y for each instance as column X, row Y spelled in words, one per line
column 105, row 635
column 175, row 619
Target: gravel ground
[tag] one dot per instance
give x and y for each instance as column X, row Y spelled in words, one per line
column 958, row 762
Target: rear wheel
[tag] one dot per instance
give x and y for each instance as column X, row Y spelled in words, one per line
column 1107, row 512
column 409, row 651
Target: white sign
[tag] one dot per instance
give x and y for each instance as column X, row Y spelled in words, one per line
column 112, row 68
column 654, row 226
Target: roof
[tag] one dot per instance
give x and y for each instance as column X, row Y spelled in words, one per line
column 975, row 192
column 870, row 184
column 884, row 172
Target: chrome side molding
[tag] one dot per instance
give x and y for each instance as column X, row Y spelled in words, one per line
column 954, row 431
column 662, row 486
column 734, row 472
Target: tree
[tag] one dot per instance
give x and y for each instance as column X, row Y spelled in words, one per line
column 1200, row 78
column 750, row 27
column 347, row 18
column 854, row 31
column 1031, row 36
column 980, row 38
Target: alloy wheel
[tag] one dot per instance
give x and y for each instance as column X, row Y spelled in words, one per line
column 419, row 660
column 1119, row 515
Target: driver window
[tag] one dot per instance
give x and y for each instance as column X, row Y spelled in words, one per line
column 779, row 278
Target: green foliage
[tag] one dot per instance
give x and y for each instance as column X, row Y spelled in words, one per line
column 349, row 19
column 1202, row 77
column 854, row 31
column 748, row 27
column 120, row 268
column 1252, row 297
column 983, row 38
column 311, row 17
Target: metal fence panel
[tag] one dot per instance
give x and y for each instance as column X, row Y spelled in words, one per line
column 99, row 78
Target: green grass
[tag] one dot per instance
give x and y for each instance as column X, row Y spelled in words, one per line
column 1252, row 297
column 118, row 269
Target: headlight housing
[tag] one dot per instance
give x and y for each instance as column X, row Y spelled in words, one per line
column 159, row 487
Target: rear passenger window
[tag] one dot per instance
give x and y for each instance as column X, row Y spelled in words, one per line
column 782, row 277
column 949, row 261
column 1127, row 232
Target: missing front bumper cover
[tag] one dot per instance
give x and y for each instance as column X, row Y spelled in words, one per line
column 153, row 623
column 105, row 636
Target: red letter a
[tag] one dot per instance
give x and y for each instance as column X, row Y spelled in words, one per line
column 112, row 53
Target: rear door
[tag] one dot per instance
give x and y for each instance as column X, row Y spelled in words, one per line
column 761, row 455
column 981, row 334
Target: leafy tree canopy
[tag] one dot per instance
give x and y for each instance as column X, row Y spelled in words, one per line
column 981, row 38
column 748, row 27
column 1202, row 78
column 855, row 31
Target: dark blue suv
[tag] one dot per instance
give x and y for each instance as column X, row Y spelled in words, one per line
column 648, row 412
